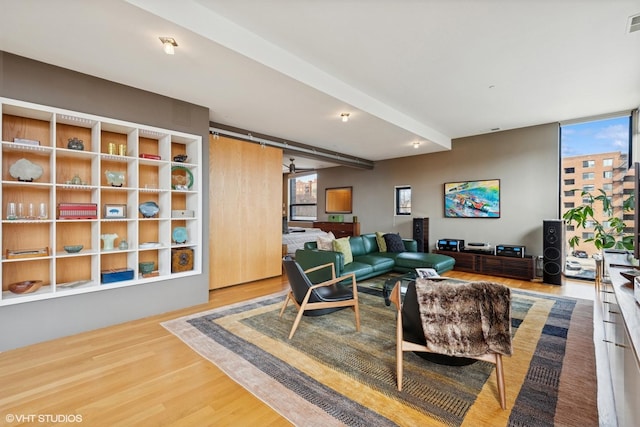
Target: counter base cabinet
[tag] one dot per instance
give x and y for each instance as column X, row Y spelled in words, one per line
column 616, row 338
column 88, row 200
column 516, row 268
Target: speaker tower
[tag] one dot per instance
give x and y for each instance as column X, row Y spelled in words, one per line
column 421, row 233
column 553, row 235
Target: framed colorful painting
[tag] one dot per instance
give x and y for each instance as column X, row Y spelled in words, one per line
column 472, row 199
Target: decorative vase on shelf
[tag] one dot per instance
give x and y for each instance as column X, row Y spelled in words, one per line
column 108, row 240
column 115, row 178
column 123, row 245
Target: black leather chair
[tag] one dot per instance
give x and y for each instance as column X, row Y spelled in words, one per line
column 318, row 299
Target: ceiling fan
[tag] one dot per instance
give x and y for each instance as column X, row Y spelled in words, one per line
column 293, row 169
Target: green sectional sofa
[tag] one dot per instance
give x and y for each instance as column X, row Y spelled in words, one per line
column 368, row 261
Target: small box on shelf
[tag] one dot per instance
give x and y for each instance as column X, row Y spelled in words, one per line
column 182, row 213
column 77, row 211
column 181, row 259
column 154, row 273
column 116, row 275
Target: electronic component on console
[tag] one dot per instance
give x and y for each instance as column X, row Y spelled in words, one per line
column 515, row 251
column 479, row 248
column 455, row 245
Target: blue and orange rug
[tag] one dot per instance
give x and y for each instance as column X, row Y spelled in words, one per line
column 329, row 374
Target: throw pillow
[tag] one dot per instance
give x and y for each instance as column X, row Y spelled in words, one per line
column 394, row 242
column 342, row 245
column 325, row 243
column 382, row 245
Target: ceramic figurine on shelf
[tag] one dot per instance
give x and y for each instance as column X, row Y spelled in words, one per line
column 108, row 240
column 75, row 144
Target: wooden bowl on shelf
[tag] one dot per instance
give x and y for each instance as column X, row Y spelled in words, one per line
column 25, row 287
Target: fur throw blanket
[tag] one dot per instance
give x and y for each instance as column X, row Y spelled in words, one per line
column 465, row 319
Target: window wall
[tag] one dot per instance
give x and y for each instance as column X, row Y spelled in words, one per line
column 595, row 158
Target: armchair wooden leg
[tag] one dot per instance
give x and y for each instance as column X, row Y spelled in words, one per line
column 286, row 302
column 399, row 351
column 297, row 321
column 357, row 310
column 500, row 379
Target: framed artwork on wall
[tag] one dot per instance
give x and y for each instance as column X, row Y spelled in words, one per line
column 472, row 199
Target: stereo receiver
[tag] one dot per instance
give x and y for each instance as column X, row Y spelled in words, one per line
column 515, row 251
column 455, row 245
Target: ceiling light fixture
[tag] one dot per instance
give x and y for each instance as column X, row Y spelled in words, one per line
column 168, row 43
column 416, row 145
column 345, row 117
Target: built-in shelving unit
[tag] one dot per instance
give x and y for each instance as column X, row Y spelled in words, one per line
column 33, row 241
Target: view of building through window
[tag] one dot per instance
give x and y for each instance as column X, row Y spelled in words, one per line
column 303, row 198
column 403, row 200
column 595, row 157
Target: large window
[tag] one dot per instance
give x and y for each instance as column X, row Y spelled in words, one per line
column 303, row 198
column 595, row 156
column 403, row 200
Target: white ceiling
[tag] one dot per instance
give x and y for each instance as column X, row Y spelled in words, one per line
column 406, row 71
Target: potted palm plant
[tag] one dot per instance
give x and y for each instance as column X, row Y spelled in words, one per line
column 608, row 230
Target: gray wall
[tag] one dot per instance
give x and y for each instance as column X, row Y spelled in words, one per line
column 525, row 160
column 32, row 81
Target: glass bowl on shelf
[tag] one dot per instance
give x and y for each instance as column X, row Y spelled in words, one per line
column 149, row 209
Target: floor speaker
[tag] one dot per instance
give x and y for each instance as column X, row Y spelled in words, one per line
column 553, row 232
column 421, row 233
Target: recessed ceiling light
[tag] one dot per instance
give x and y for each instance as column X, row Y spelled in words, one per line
column 344, row 117
column 168, row 43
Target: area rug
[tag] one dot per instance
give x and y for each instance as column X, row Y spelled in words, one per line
column 329, row 374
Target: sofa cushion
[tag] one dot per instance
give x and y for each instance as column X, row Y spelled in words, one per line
column 325, row 243
column 342, row 245
column 370, row 244
column 360, row 269
column 394, row 242
column 378, row 262
column 357, row 246
column 382, row 245
column 411, row 260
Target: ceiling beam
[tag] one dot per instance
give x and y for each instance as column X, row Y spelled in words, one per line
column 289, row 146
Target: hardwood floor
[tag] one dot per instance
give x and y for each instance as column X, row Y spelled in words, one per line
column 137, row 373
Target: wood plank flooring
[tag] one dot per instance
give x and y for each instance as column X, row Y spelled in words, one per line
column 137, row 373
